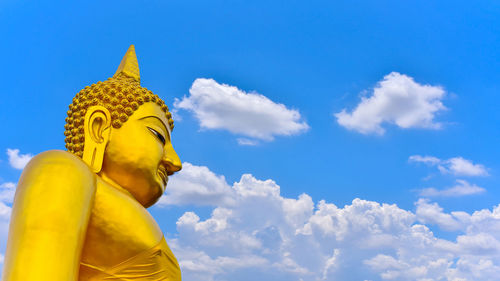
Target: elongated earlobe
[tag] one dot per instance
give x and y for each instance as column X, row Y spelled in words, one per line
column 97, row 128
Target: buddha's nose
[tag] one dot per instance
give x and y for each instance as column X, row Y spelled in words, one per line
column 171, row 160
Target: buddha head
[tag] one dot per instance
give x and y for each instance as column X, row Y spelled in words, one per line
column 123, row 132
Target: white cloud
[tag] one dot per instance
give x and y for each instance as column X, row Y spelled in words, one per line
column 225, row 107
column 331, row 263
column 254, row 231
column 462, row 188
column 6, row 197
column 432, row 213
column 16, row 160
column 196, row 185
column 244, row 141
column 398, row 100
column 5, row 211
column 429, row 160
column 461, row 166
column 457, row 166
column 7, row 190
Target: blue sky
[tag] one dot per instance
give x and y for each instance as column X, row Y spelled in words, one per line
column 316, row 59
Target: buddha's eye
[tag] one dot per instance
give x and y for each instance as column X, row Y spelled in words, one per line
column 158, row 135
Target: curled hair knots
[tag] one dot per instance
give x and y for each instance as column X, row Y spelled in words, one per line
column 121, row 95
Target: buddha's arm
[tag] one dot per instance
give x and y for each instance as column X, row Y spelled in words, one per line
column 49, row 219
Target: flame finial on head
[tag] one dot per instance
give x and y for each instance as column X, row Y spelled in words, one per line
column 129, row 65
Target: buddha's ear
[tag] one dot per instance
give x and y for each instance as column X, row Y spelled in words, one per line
column 97, row 128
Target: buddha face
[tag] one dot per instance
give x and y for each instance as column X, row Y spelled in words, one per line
column 139, row 156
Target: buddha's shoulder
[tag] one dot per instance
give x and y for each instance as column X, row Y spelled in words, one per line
column 58, row 157
column 53, row 175
column 59, row 162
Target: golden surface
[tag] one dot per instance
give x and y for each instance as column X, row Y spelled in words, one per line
column 81, row 215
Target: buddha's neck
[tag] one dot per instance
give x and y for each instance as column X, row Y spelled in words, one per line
column 111, row 182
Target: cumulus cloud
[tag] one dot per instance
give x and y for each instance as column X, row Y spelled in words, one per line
column 5, row 211
column 255, row 231
column 398, row 100
column 461, row 188
column 196, row 185
column 248, row 114
column 16, row 160
column 7, row 191
column 431, row 213
column 457, row 166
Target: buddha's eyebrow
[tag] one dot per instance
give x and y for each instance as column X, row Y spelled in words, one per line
column 158, row 120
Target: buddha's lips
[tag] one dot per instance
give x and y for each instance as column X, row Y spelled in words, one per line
column 163, row 175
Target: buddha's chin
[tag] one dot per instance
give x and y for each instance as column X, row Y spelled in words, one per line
column 150, row 191
column 152, row 200
column 154, row 195
column 146, row 190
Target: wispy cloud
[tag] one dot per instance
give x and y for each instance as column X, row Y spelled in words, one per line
column 224, row 107
column 398, row 100
column 429, row 160
column 462, row 188
column 457, row 166
column 244, row 141
column 16, row 160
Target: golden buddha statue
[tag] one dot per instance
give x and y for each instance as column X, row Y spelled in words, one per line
column 81, row 215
